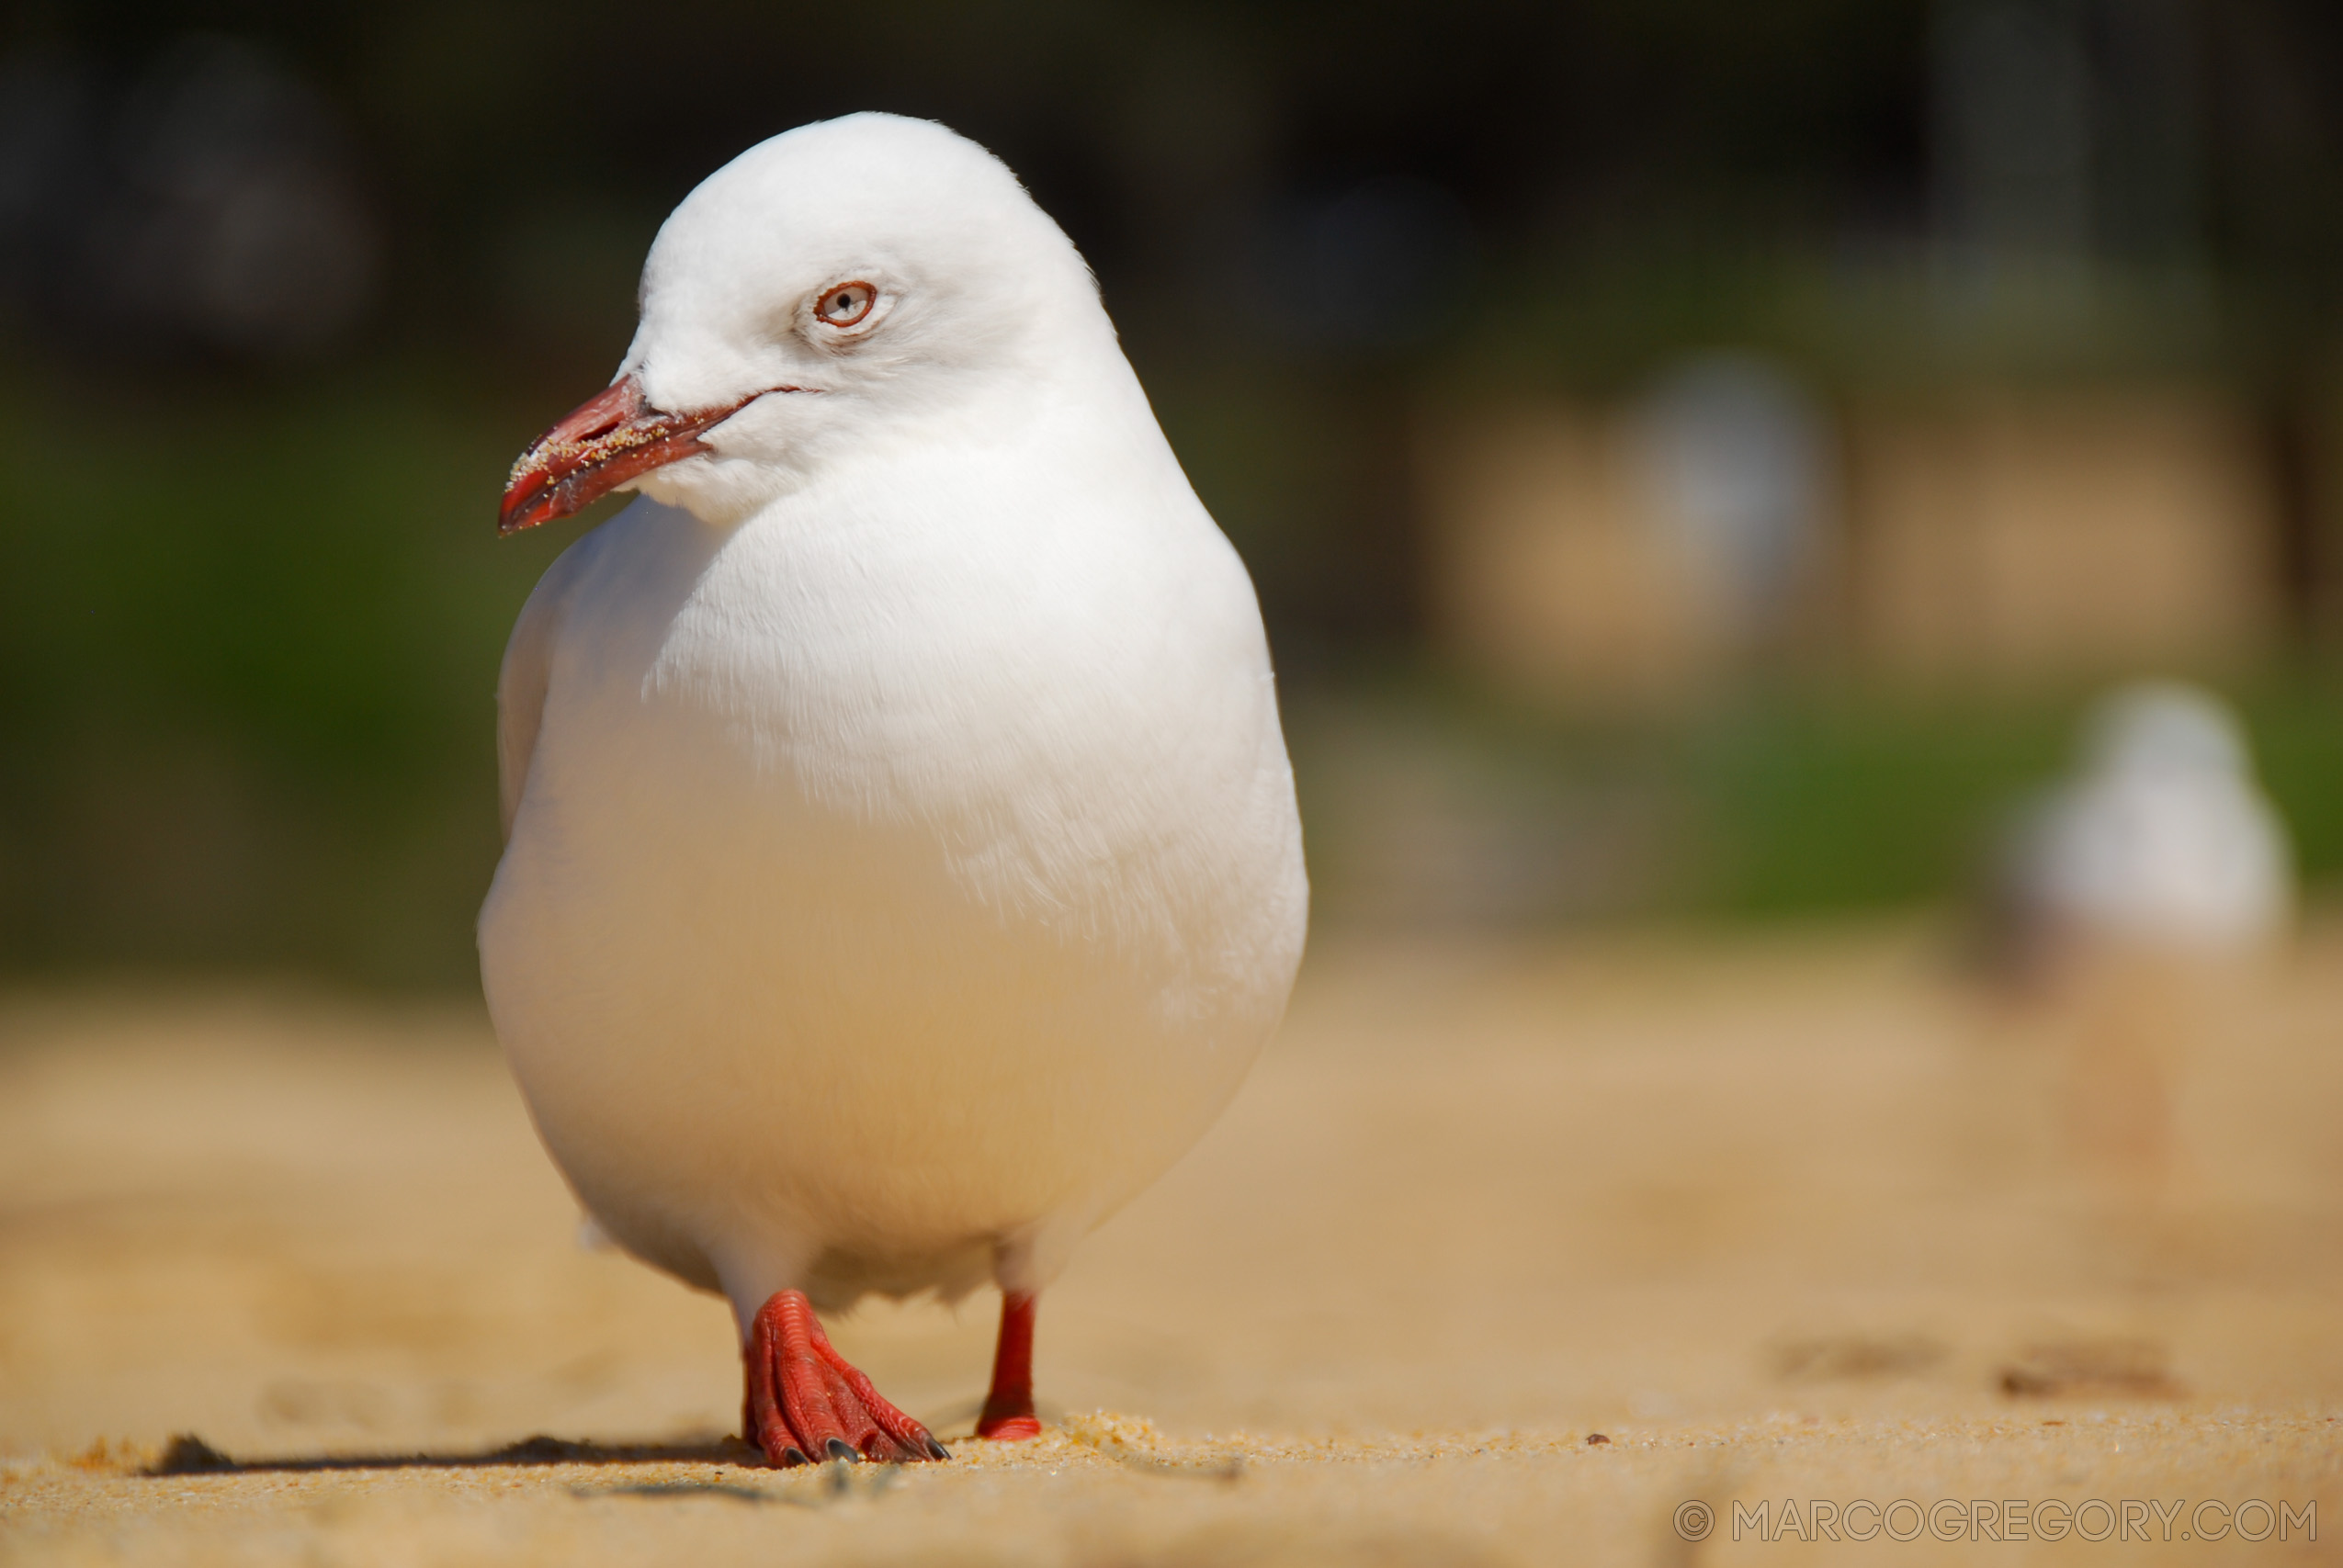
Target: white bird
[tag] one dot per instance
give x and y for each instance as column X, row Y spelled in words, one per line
column 2165, row 841
column 902, row 866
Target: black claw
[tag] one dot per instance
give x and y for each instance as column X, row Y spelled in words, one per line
column 793, row 1456
column 934, row 1449
column 838, row 1448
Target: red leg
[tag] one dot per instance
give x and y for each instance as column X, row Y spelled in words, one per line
column 1008, row 1409
column 806, row 1403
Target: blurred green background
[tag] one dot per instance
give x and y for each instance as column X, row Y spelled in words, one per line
column 284, row 288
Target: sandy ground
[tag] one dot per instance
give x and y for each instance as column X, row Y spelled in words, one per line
column 1791, row 1218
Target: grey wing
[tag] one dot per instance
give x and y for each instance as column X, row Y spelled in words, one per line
column 526, row 674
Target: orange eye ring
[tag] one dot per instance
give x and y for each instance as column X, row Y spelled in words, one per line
column 845, row 305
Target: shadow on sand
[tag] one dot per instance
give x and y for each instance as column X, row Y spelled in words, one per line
column 191, row 1455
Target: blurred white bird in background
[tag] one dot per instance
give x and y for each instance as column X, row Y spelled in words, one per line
column 902, row 866
column 2164, row 841
column 2130, row 900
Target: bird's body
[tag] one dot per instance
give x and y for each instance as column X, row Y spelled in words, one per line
column 2165, row 841
column 902, row 863
column 2129, row 900
column 872, row 904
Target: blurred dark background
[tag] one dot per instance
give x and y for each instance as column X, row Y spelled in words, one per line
column 1697, row 457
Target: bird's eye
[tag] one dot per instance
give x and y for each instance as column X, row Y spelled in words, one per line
column 846, row 304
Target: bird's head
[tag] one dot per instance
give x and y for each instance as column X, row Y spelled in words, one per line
column 822, row 289
column 2167, row 729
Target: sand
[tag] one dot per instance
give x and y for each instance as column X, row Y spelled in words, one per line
column 1509, row 1253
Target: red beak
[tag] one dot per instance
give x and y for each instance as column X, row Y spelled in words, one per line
column 601, row 446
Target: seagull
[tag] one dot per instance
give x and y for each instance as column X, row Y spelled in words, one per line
column 902, row 862
column 2163, row 842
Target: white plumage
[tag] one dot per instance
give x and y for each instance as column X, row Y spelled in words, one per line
column 2164, row 840
column 902, row 865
